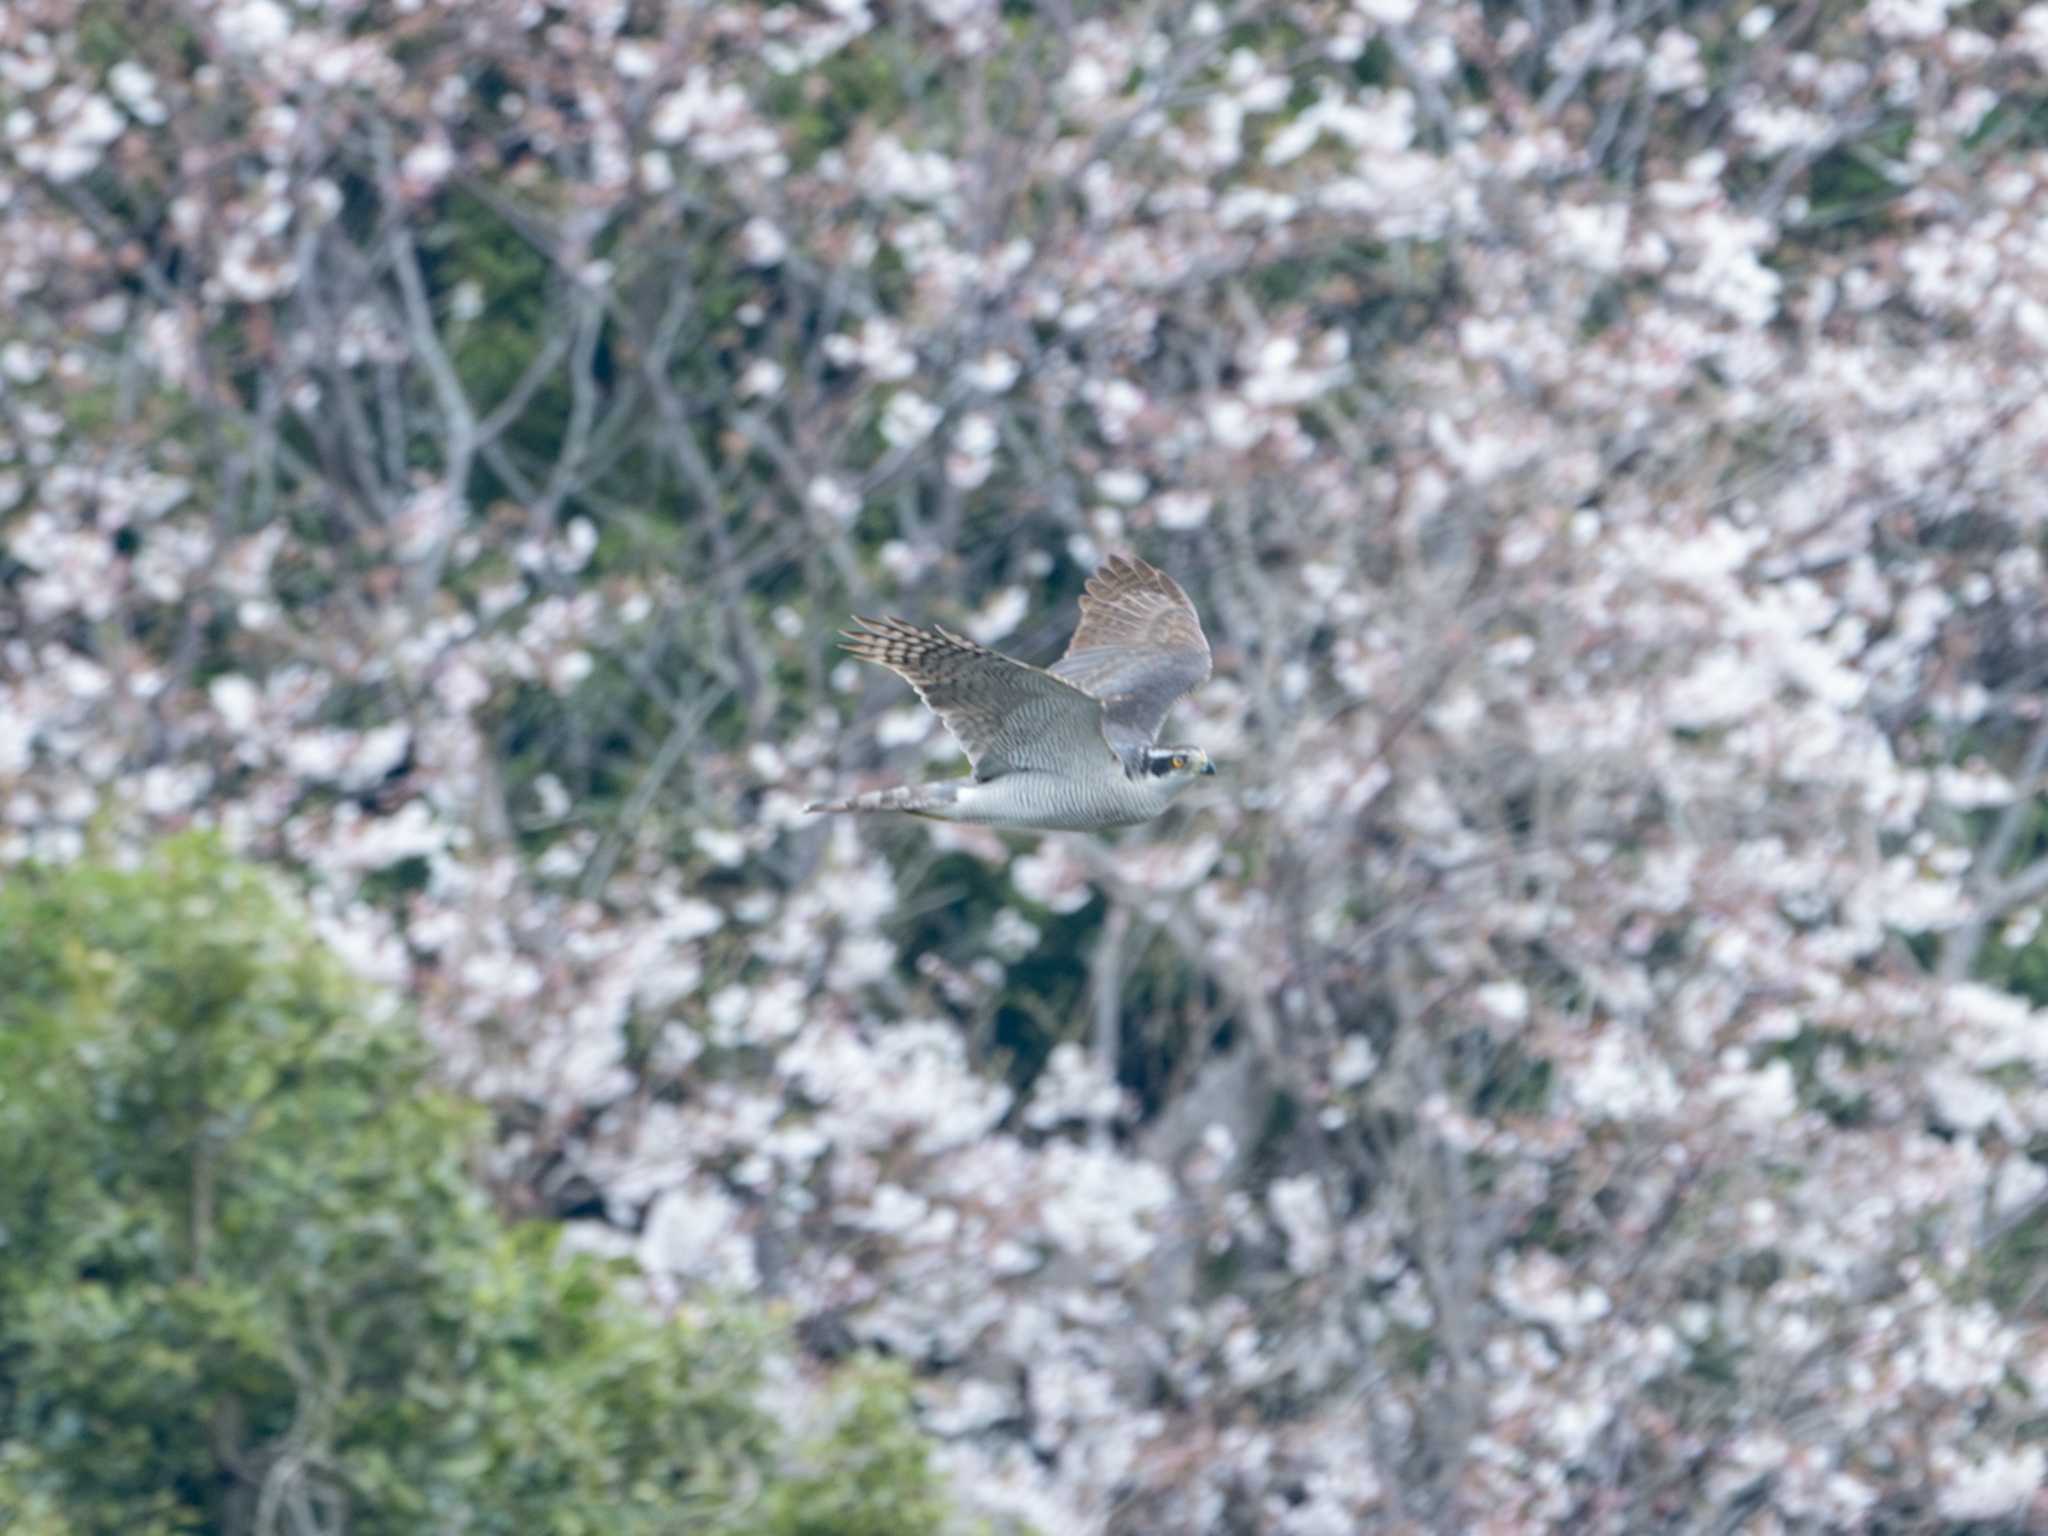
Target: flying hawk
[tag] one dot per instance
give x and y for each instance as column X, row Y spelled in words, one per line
column 1065, row 748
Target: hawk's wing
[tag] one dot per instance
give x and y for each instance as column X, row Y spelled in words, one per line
column 1139, row 648
column 1011, row 718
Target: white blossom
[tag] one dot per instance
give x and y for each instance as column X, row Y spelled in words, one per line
column 908, row 419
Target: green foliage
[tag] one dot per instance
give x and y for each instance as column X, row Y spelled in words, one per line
column 2014, row 1270
column 2022, row 967
column 1044, row 995
column 515, row 291
column 242, row 1260
column 2023, row 970
column 1171, row 1012
column 868, row 1475
column 821, row 107
column 1848, row 189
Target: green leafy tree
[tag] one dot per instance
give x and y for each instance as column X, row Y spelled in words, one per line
column 248, row 1283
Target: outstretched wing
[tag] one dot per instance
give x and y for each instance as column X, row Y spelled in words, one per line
column 1139, row 649
column 1011, row 718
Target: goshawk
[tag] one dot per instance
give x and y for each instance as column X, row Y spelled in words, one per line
column 1067, row 748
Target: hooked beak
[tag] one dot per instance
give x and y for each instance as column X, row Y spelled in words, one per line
column 1208, row 770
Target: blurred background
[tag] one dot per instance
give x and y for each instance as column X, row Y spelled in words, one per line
column 1581, row 1066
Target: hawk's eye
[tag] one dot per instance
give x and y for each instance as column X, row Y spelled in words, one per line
column 1179, row 761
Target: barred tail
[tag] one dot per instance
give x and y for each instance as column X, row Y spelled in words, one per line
column 918, row 799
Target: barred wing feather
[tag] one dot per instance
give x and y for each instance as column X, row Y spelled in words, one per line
column 1139, row 649
column 1009, row 716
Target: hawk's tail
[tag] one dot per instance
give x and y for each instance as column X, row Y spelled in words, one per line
column 914, row 798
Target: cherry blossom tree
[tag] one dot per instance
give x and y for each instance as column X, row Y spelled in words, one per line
column 1584, row 1067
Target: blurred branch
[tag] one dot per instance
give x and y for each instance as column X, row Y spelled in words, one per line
column 1992, row 893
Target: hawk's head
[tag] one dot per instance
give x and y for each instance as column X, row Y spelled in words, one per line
column 1178, row 766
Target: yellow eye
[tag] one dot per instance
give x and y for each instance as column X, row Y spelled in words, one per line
column 1179, row 761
